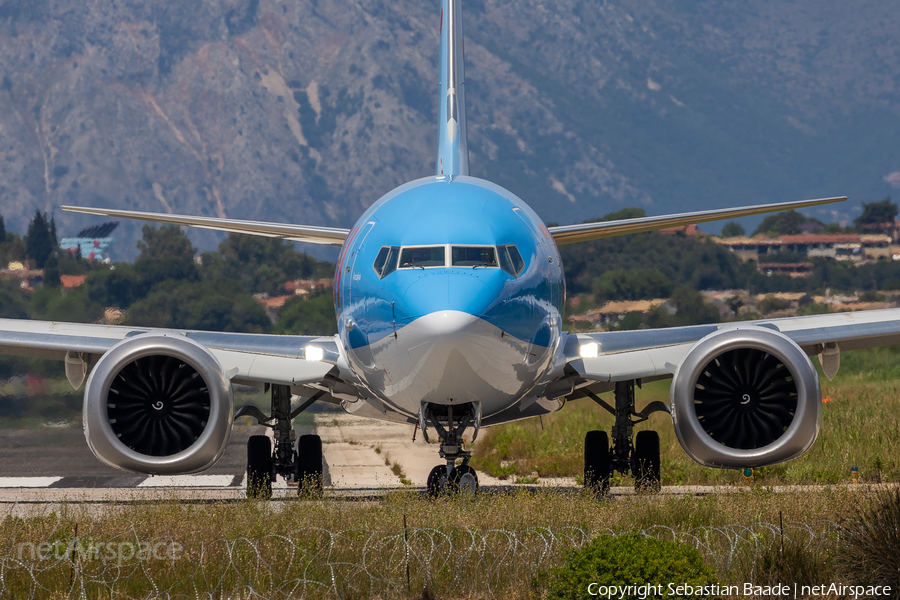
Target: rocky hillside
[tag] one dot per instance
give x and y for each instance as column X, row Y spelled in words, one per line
column 307, row 111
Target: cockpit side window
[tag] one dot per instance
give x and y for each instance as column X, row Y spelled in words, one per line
column 516, row 259
column 386, row 261
column 411, row 258
column 510, row 260
column 474, row 256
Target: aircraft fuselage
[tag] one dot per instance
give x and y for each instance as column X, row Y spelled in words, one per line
column 434, row 305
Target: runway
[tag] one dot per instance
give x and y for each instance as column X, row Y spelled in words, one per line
column 363, row 459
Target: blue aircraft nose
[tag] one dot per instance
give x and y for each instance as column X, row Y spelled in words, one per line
column 463, row 292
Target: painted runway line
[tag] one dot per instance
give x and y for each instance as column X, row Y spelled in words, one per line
column 125, row 481
column 27, row 482
column 197, row 481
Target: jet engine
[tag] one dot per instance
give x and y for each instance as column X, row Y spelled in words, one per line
column 746, row 397
column 159, row 404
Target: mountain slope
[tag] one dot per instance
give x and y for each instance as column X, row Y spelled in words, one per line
column 307, row 112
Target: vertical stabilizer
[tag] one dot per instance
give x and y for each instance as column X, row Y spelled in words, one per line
column 453, row 153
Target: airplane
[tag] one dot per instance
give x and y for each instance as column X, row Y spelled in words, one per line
column 449, row 295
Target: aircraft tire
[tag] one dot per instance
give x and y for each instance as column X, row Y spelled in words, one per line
column 464, row 480
column 437, row 481
column 646, row 462
column 597, row 464
column 259, row 467
column 309, row 471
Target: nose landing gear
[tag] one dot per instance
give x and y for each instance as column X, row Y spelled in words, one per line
column 450, row 422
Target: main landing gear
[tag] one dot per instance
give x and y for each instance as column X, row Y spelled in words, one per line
column 450, row 422
column 640, row 458
column 300, row 464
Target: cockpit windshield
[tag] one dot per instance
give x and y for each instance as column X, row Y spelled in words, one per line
column 474, row 256
column 424, row 257
column 411, row 258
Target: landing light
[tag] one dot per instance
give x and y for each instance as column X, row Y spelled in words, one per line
column 591, row 350
column 314, row 353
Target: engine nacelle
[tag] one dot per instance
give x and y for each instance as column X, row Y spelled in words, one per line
column 158, row 404
column 746, row 397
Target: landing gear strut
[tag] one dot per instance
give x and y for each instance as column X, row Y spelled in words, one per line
column 450, row 422
column 639, row 458
column 302, row 465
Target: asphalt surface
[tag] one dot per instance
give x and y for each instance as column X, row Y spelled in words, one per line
column 43, row 468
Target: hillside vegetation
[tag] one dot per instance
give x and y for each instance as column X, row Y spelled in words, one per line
column 307, row 112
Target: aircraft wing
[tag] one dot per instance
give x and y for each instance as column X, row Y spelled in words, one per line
column 656, row 353
column 569, row 234
column 297, row 233
column 246, row 358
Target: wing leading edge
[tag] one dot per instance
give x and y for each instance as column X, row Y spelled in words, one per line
column 656, row 353
column 569, row 234
column 298, row 233
column 246, row 358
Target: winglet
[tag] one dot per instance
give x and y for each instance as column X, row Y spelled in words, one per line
column 453, row 153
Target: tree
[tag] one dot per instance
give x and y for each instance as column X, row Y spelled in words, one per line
column 39, row 242
column 12, row 303
column 632, row 284
column 262, row 265
column 788, row 222
column 51, row 272
column 314, row 316
column 12, row 249
column 205, row 305
column 118, row 287
column 74, row 306
column 733, row 229
column 682, row 260
column 689, row 309
column 876, row 213
column 685, row 307
column 2, row 230
column 166, row 254
column 624, row 214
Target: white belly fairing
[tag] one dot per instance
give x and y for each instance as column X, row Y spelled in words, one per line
column 449, row 357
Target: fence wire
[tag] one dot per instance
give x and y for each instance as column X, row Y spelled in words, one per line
column 352, row 563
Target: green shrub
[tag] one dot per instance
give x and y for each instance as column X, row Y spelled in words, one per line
column 623, row 561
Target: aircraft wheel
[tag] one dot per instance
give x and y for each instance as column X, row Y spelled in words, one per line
column 437, row 481
column 309, row 459
column 646, row 462
column 464, row 480
column 259, row 467
column 597, row 463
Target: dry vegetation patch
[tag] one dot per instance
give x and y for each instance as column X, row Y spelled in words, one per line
column 490, row 545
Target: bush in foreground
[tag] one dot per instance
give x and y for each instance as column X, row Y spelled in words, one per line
column 622, row 561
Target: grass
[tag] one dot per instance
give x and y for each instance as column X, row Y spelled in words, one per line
column 860, row 427
column 491, row 545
